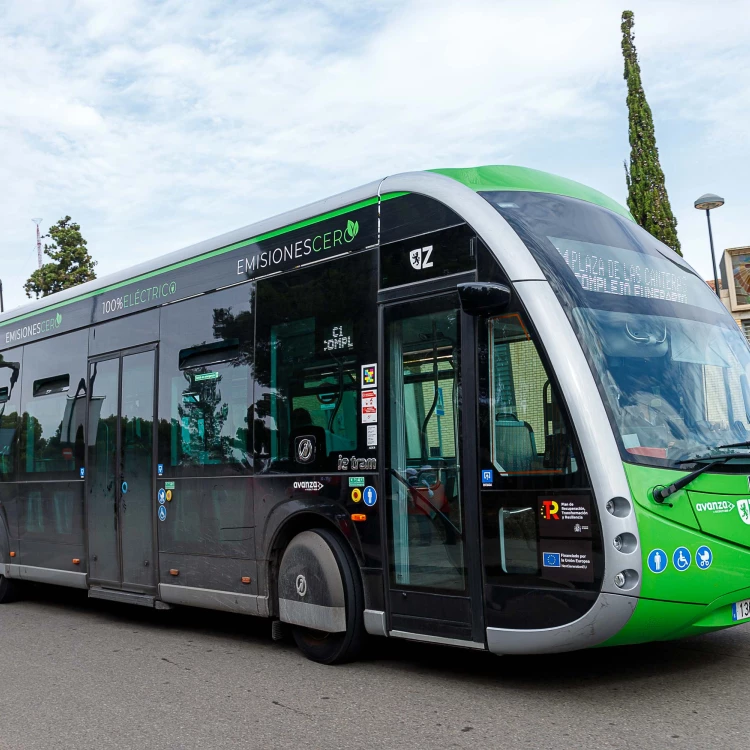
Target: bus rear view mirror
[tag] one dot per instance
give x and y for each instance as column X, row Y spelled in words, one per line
column 479, row 297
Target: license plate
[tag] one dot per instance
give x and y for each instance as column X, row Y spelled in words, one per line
column 741, row 610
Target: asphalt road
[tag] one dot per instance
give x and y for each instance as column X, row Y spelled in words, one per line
column 81, row 674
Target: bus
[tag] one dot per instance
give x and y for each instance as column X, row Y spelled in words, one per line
column 475, row 407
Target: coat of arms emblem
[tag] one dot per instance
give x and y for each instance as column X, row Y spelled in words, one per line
column 743, row 507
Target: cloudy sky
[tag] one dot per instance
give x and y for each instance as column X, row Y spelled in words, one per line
column 158, row 123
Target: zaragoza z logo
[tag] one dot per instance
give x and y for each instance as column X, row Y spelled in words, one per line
column 421, row 258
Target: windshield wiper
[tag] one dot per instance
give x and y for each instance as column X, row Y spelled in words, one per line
column 660, row 494
column 743, row 444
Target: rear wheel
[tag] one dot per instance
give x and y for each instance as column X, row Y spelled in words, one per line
column 336, row 648
column 8, row 589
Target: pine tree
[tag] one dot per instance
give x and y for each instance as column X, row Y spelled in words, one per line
column 647, row 193
column 71, row 263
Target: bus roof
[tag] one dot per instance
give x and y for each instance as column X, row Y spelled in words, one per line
column 507, row 177
column 492, row 177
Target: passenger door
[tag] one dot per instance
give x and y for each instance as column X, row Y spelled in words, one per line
column 430, row 473
column 541, row 542
column 120, row 470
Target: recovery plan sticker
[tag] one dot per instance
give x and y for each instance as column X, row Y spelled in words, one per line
column 565, row 538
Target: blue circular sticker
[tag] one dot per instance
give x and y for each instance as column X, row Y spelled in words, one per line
column 162, row 513
column 704, row 557
column 681, row 558
column 657, row 561
column 162, row 496
column 124, row 488
column 370, row 495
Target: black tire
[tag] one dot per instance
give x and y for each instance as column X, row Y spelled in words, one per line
column 8, row 590
column 337, row 648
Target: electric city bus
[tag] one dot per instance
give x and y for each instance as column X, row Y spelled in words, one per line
column 476, row 407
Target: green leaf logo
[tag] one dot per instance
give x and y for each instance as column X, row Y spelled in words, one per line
column 58, row 320
column 352, row 230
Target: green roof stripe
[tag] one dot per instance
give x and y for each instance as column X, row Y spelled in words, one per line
column 520, row 178
column 204, row 256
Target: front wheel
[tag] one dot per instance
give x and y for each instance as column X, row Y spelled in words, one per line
column 330, row 572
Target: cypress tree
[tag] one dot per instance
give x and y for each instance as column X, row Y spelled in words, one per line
column 647, row 193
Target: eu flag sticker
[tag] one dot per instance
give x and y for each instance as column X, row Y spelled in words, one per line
column 551, row 559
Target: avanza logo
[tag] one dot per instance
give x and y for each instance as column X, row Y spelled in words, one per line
column 300, row 249
column 720, row 506
column 309, row 486
column 34, row 329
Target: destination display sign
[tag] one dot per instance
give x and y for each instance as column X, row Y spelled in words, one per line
column 627, row 273
column 276, row 251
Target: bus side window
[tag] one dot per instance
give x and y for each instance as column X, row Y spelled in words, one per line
column 529, row 432
column 54, row 404
column 315, row 332
column 206, row 384
column 314, row 390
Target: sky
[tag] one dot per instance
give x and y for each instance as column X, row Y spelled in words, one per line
column 159, row 123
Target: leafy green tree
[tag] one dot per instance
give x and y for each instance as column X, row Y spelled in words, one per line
column 71, row 263
column 647, row 192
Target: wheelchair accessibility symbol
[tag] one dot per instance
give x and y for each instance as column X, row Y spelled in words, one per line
column 681, row 558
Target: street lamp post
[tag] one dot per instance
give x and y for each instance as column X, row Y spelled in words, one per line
column 706, row 203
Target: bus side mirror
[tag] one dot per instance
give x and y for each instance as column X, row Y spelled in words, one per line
column 479, row 297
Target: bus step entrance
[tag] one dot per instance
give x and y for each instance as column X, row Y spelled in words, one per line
column 126, row 597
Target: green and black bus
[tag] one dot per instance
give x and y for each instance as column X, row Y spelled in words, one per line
column 476, row 407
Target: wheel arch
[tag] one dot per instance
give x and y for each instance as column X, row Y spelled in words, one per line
column 288, row 529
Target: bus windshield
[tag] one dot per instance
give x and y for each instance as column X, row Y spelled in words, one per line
column 671, row 364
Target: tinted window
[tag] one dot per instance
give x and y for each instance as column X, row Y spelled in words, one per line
column 205, row 383
column 10, row 399
column 411, row 215
column 54, row 407
column 424, row 397
column 529, row 433
column 134, row 330
column 317, row 328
